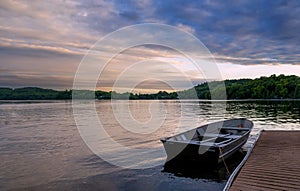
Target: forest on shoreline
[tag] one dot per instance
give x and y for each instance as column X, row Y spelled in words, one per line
column 272, row 87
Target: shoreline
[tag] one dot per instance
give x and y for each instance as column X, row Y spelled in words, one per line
column 201, row 100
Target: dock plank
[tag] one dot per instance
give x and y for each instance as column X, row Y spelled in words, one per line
column 274, row 163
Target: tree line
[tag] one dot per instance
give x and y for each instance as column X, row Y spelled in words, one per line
column 272, row 87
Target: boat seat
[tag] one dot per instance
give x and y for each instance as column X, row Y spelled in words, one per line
column 236, row 128
column 233, row 136
column 180, row 138
column 200, row 131
column 216, row 135
column 207, row 140
column 222, row 142
column 202, row 143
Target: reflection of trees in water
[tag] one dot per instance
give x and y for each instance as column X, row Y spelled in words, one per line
column 269, row 110
column 297, row 92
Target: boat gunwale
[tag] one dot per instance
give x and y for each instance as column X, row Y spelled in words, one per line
column 191, row 141
column 199, row 142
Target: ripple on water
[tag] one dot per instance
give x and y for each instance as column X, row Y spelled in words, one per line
column 41, row 147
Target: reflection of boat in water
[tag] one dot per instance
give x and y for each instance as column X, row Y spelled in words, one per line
column 209, row 144
column 195, row 170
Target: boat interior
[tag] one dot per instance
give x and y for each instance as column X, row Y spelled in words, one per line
column 213, row 134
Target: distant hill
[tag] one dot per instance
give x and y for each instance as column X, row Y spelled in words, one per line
column 273, row 87
column 28, row 93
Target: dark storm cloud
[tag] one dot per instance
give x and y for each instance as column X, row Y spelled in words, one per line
column 253, row 28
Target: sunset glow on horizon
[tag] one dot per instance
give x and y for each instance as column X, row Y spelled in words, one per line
column 43, row 43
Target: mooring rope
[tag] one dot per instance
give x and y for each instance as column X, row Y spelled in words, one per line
column 228, row 172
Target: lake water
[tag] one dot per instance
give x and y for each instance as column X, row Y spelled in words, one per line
column 41, row 147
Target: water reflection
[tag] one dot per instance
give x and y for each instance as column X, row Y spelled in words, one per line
column 272, row 114
column 194, row 170
column 41, row 148
column 268, row 110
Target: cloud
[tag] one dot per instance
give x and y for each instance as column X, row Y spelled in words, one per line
column 240, row 28
column 129, row 15
column 36, row 36
column 17, row 80
column 186, row 28
column 21, row 67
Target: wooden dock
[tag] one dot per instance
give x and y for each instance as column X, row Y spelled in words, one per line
column 274, row 163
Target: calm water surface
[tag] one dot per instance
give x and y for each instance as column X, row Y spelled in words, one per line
column 41, row 148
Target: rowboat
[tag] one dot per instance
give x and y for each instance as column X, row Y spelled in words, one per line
column 211, row 143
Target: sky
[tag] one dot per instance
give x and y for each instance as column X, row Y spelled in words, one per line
column 42, row 43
